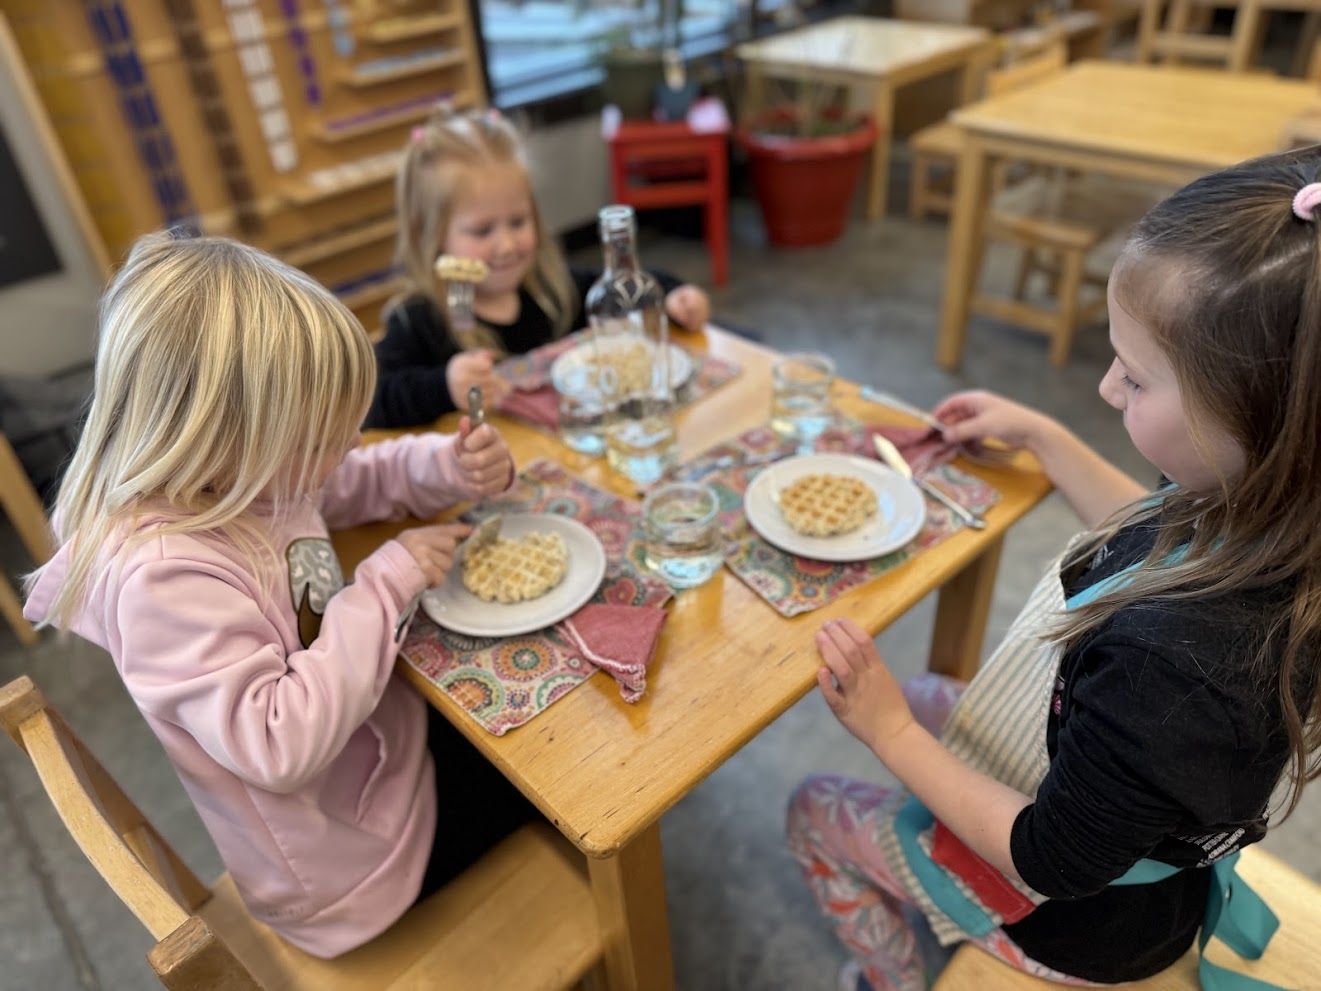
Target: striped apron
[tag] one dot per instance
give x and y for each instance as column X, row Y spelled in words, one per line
column 998, row 727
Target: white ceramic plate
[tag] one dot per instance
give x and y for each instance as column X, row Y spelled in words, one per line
column 681, row 362
column 452, row 606
column 900, row 509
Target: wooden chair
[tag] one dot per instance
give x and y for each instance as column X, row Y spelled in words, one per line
column 1292, row 960
column 662, row 165
column 1169, row 30
column 1056, row 219
column 937, row 148
column 25, row 512
column 522, row 917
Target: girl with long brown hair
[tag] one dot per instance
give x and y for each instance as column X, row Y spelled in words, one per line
column 1157, row 698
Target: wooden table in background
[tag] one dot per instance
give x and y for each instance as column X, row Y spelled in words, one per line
column 871, row 52
column 727, row 665
column 1165, row 124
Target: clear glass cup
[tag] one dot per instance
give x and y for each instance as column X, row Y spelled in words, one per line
column 800, row 398
column 584, row 402
column 682, row 529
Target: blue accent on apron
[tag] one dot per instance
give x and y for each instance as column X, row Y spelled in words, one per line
column 1235, row 914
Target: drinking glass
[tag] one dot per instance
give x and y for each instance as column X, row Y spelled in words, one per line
column 800, row 398
column 583, row 394
column 682, row 529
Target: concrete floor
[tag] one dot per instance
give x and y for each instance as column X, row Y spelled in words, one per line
column 739, row 915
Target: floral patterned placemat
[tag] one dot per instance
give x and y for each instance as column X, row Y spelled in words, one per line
column 502, row 682
column 792, row 584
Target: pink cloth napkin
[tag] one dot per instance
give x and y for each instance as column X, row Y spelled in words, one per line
column 619, row 640
column 922, row 447
column 540, row 406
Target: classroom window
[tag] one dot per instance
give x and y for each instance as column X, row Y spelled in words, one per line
column 538, row 49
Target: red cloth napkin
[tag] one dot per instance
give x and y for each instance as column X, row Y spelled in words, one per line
column 922, row 447
column 619, row 640
column 540, row 406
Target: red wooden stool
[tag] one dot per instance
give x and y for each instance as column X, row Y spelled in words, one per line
column 670, row 164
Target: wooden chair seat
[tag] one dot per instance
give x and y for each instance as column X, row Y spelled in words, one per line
column 522, row 917
column 1292, row 960
column 1070, row 211
column 942, row 138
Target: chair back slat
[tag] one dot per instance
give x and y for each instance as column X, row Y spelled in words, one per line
column 72, row 793
column 1023, row 73
column 114, row 834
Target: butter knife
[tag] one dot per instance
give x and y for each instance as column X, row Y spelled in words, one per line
column 891, row 456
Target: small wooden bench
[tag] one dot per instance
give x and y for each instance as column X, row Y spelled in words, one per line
column 521, row 917
column 1293, row 959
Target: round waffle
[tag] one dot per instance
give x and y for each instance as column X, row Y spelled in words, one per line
column 823, row 505
column 516, row 570
column 630, row 360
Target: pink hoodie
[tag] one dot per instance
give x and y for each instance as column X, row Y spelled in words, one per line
column 307, row 761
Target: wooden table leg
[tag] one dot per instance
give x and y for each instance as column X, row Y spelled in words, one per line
column 878, row 184
column 629, row 889
column 961, row 611
column 971, row 189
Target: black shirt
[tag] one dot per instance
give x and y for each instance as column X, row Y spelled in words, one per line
column 1160, row 747
column 411, row 357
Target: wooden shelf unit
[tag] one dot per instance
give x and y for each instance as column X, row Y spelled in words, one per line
column 329, row 227
column 412, row 115
column 399, row 29
column 360, row 79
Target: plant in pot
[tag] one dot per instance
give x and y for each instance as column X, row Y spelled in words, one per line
column 633, row 56
column 806, row 153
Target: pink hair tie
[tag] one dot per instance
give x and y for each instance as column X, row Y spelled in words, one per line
column 1307, row 200
column 419, row 133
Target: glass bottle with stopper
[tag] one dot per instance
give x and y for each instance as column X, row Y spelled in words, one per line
column 630, row 341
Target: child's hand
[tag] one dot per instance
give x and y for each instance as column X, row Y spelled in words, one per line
column 689, row 306
column 977, row 415
column 485, row 463
column 433, row 548
column 859, row 688
column 469, row 368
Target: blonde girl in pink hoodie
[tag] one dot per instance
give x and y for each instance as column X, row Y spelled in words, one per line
column 220, row 444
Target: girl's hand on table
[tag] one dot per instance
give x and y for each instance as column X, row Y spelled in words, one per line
column 858, row 686
column 689, row 306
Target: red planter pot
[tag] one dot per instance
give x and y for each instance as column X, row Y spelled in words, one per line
column 805, row 185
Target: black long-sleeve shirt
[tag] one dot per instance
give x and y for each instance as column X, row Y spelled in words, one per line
column 411, row 358
column 1160, row 747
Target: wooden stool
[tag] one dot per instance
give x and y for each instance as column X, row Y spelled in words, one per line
column 1292, row 960
column 654, row 165
column 25, row 512
column 521, row 917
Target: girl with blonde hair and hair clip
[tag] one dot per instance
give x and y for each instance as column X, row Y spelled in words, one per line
column 463, row 190
column 220, row 444
column 1077, row 809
